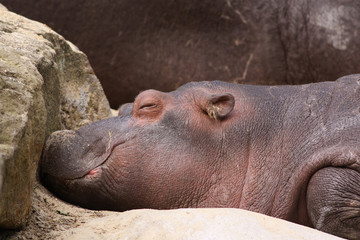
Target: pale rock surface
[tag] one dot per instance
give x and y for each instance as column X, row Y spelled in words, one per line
column 191, row 224
column 46, row 84
column 53, row 218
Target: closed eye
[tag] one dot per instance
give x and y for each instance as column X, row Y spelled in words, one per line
column 148, row 105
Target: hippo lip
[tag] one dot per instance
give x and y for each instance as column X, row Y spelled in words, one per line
column 97, row 169
column 93, row 172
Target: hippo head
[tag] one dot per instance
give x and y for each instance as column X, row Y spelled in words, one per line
column 160, row 152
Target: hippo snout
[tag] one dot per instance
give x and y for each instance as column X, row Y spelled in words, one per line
column 70, row 154
column 58, row 149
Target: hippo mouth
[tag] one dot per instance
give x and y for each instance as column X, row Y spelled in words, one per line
column 94, row 172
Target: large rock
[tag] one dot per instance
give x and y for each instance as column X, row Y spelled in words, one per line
column 196, row 224
column 54, row 219
column 46, row 84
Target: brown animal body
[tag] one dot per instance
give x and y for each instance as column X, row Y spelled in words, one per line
column 291, row 152
column 162, row 44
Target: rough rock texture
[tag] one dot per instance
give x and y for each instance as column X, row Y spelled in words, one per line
column 46, row 84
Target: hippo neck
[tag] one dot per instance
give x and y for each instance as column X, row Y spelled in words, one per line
column 272, row 131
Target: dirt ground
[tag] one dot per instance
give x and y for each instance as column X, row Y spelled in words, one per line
column 50, row 217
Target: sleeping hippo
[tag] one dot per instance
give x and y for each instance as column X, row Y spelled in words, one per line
column 292, row 152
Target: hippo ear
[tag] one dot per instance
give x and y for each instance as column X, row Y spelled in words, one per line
column 218, row 106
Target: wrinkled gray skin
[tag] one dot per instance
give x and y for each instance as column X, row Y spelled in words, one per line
column 291, row 152
column 162, row 44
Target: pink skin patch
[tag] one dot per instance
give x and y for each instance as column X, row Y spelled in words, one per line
column 94, row 172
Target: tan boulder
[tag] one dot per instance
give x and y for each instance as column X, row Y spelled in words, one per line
column 46, row 84
column 56, row 219
column 191, row 224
